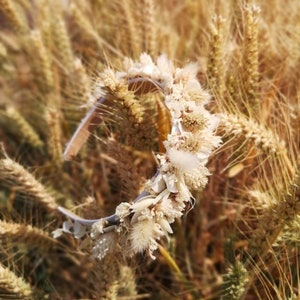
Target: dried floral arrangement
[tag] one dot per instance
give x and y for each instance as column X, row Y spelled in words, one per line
column 143, row 157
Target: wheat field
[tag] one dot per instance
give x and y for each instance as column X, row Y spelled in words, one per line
column 239, row 236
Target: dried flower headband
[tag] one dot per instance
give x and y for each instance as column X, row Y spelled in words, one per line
column 138, row 226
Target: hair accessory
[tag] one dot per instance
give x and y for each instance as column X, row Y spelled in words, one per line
column 140, row 224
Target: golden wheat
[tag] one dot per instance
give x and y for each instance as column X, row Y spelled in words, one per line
column 239, row 239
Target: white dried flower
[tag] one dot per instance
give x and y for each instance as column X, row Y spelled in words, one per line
column 57, row 233
column 182, row 160
column 143, row 235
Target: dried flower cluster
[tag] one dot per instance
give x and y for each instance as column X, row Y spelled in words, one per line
column 143, row 222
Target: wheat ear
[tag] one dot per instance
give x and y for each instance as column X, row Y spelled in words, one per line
column 62, row 41
column 83, row 82
column 277, row 211
column 42, row 60
column 235, row 281
column 133, row 41
column 53, row 118
column 105, row 275
column 12, row 12
column 149, row 26
column 44, row 23
column 127, row 284
column 250, row 65
column 13, row 286
column 88, row 29
column 215, row 65
column 239, row 126
column 25, row 129
column 31, row 236
column 14, row 175
column 3, row 54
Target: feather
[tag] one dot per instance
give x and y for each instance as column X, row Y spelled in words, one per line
column 83, row 131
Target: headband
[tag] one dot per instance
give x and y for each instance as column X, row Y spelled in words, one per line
column 138, row 226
